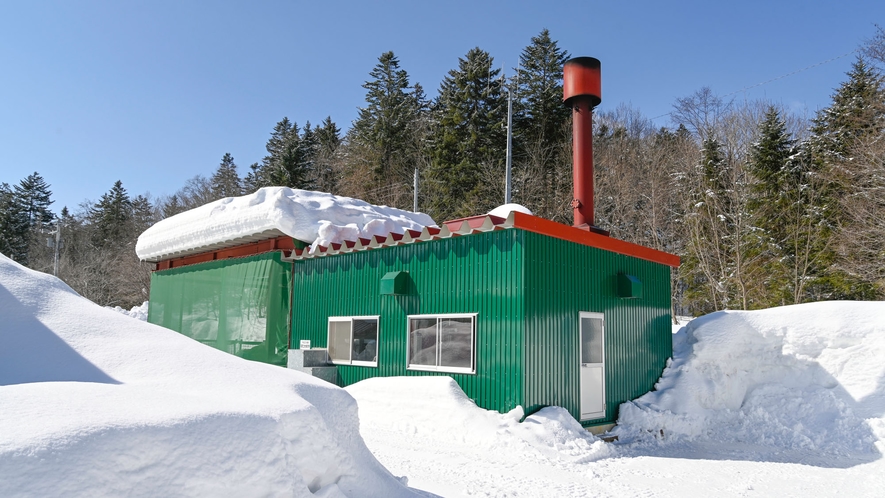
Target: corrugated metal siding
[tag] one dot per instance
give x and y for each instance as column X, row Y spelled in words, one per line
column 480, row 273
column 237, row 305
column 563, row 279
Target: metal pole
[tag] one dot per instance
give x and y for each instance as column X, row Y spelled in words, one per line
column 415, row 191
column 507, row 189
column 57, row 242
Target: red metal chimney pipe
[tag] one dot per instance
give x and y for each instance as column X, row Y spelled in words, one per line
column 582, row 91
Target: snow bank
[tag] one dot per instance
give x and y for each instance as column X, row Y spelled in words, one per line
column 312, row 217
column 138, row 312
column 427, row 428
column 807, row 378
column 97, row 404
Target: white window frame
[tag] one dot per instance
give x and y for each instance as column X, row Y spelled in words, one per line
column 350, row 319
column 438, row 368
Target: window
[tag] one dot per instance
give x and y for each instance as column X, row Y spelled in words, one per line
column 353, row 340
column 444, row 343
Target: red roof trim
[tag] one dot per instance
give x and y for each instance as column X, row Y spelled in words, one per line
column 572, row 234
column 473, row 221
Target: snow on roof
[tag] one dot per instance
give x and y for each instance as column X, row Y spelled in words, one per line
column 313, row 217
column 95, row 403
column 504, row 210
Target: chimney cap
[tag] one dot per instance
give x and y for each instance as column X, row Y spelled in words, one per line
column 581, row 78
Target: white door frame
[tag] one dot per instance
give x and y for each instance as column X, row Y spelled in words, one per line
column 591, row 376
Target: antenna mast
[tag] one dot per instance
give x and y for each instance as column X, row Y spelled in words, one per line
column 508, row 177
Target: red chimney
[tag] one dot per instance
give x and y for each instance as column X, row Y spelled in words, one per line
column 582, row 91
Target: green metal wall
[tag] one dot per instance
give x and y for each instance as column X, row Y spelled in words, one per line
column 564, row 278
column 238, row 305
column 480, row 273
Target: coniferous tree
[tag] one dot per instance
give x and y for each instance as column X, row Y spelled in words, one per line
column 142, row 215
column 226, row 182
column 13, row 226
column 288, row 162
column 254, row 179
column 540, row 127
column 110, row 217
column 856, row 114
column 34, row 197
column 25, row 215
column 857, row 111
column 327, row 167
column 470, row 141
column 780, row 206
column 386, row 139
column 383, row 126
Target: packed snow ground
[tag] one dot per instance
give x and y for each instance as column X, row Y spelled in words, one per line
column 313, row 217
column 94, row 403
column 782, row 402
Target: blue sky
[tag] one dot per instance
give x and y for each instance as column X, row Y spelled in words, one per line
column 153, row 93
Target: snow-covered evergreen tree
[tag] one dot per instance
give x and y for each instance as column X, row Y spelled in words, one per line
column 856, row 115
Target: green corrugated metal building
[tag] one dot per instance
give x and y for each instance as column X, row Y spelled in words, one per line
column 519, row 311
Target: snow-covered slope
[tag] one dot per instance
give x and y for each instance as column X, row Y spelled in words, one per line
column 312, row 217
column 93, row 403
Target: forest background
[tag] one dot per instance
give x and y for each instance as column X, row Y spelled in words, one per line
column 765, row 207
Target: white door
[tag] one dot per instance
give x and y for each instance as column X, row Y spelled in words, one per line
column 592, row 337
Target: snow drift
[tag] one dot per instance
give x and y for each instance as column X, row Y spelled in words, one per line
column 428, row 427
column 95, row 403
column 313, row 217
column 808, row 378
column 782, row 402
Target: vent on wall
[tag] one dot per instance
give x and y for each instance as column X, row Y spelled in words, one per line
column 629, row 287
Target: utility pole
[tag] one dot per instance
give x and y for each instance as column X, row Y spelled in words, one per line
column 507, row 188
column 415, row 191
column 57, row 244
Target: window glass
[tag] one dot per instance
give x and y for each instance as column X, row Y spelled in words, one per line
column 591, row 340
column 456, row 342
column 339, row 340
column 422, row 341
column 365, row 340
column 443, row 343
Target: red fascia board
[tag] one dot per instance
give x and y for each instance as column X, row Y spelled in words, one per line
column 250, row 249
column 584, row 237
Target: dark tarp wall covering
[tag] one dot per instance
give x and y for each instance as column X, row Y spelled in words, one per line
column 239, row 305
